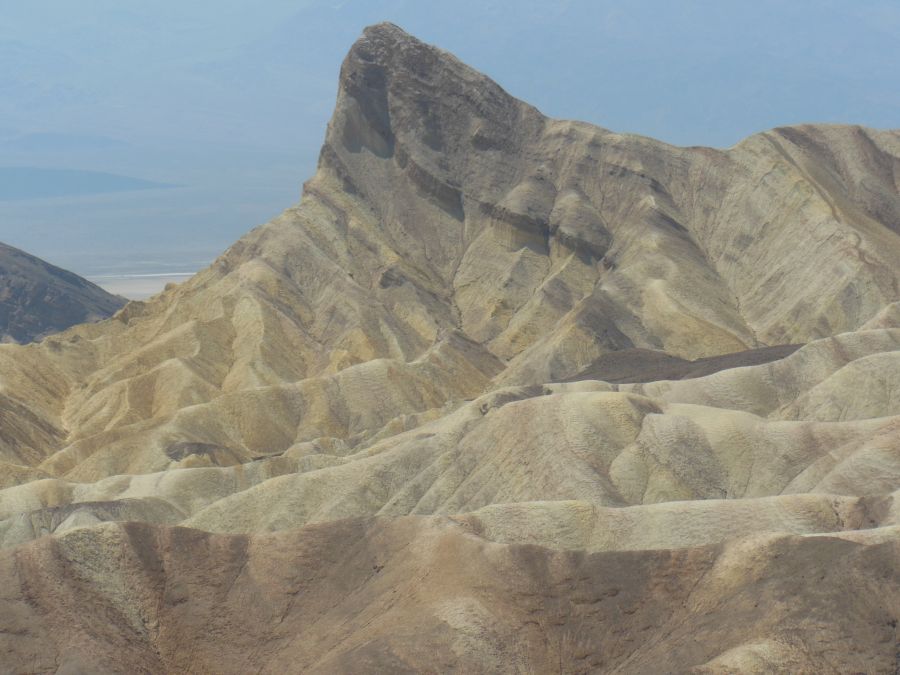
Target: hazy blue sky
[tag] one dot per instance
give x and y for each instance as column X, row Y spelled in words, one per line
column 230, row 98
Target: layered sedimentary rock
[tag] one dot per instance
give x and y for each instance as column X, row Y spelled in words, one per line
column 501, row 393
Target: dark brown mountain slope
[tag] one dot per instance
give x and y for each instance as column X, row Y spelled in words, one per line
column 38, row 299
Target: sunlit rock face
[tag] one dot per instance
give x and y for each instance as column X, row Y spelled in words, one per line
column 500, row 394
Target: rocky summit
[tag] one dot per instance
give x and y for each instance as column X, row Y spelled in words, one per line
column 502, row 393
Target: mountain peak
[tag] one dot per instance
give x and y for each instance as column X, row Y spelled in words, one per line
column 394, row 85
column 460, row 175
column 385, row 30
column 387, row 44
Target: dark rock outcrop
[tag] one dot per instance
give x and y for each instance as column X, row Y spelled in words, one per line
column 38, row 299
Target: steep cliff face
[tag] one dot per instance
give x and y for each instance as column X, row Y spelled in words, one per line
column 460, row 173
column 38, row 299
column 537, row 336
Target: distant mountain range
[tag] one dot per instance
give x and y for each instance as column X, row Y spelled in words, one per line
column 37, row 298
column 23, row 182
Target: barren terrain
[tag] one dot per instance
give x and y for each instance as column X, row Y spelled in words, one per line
column 502, row 393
